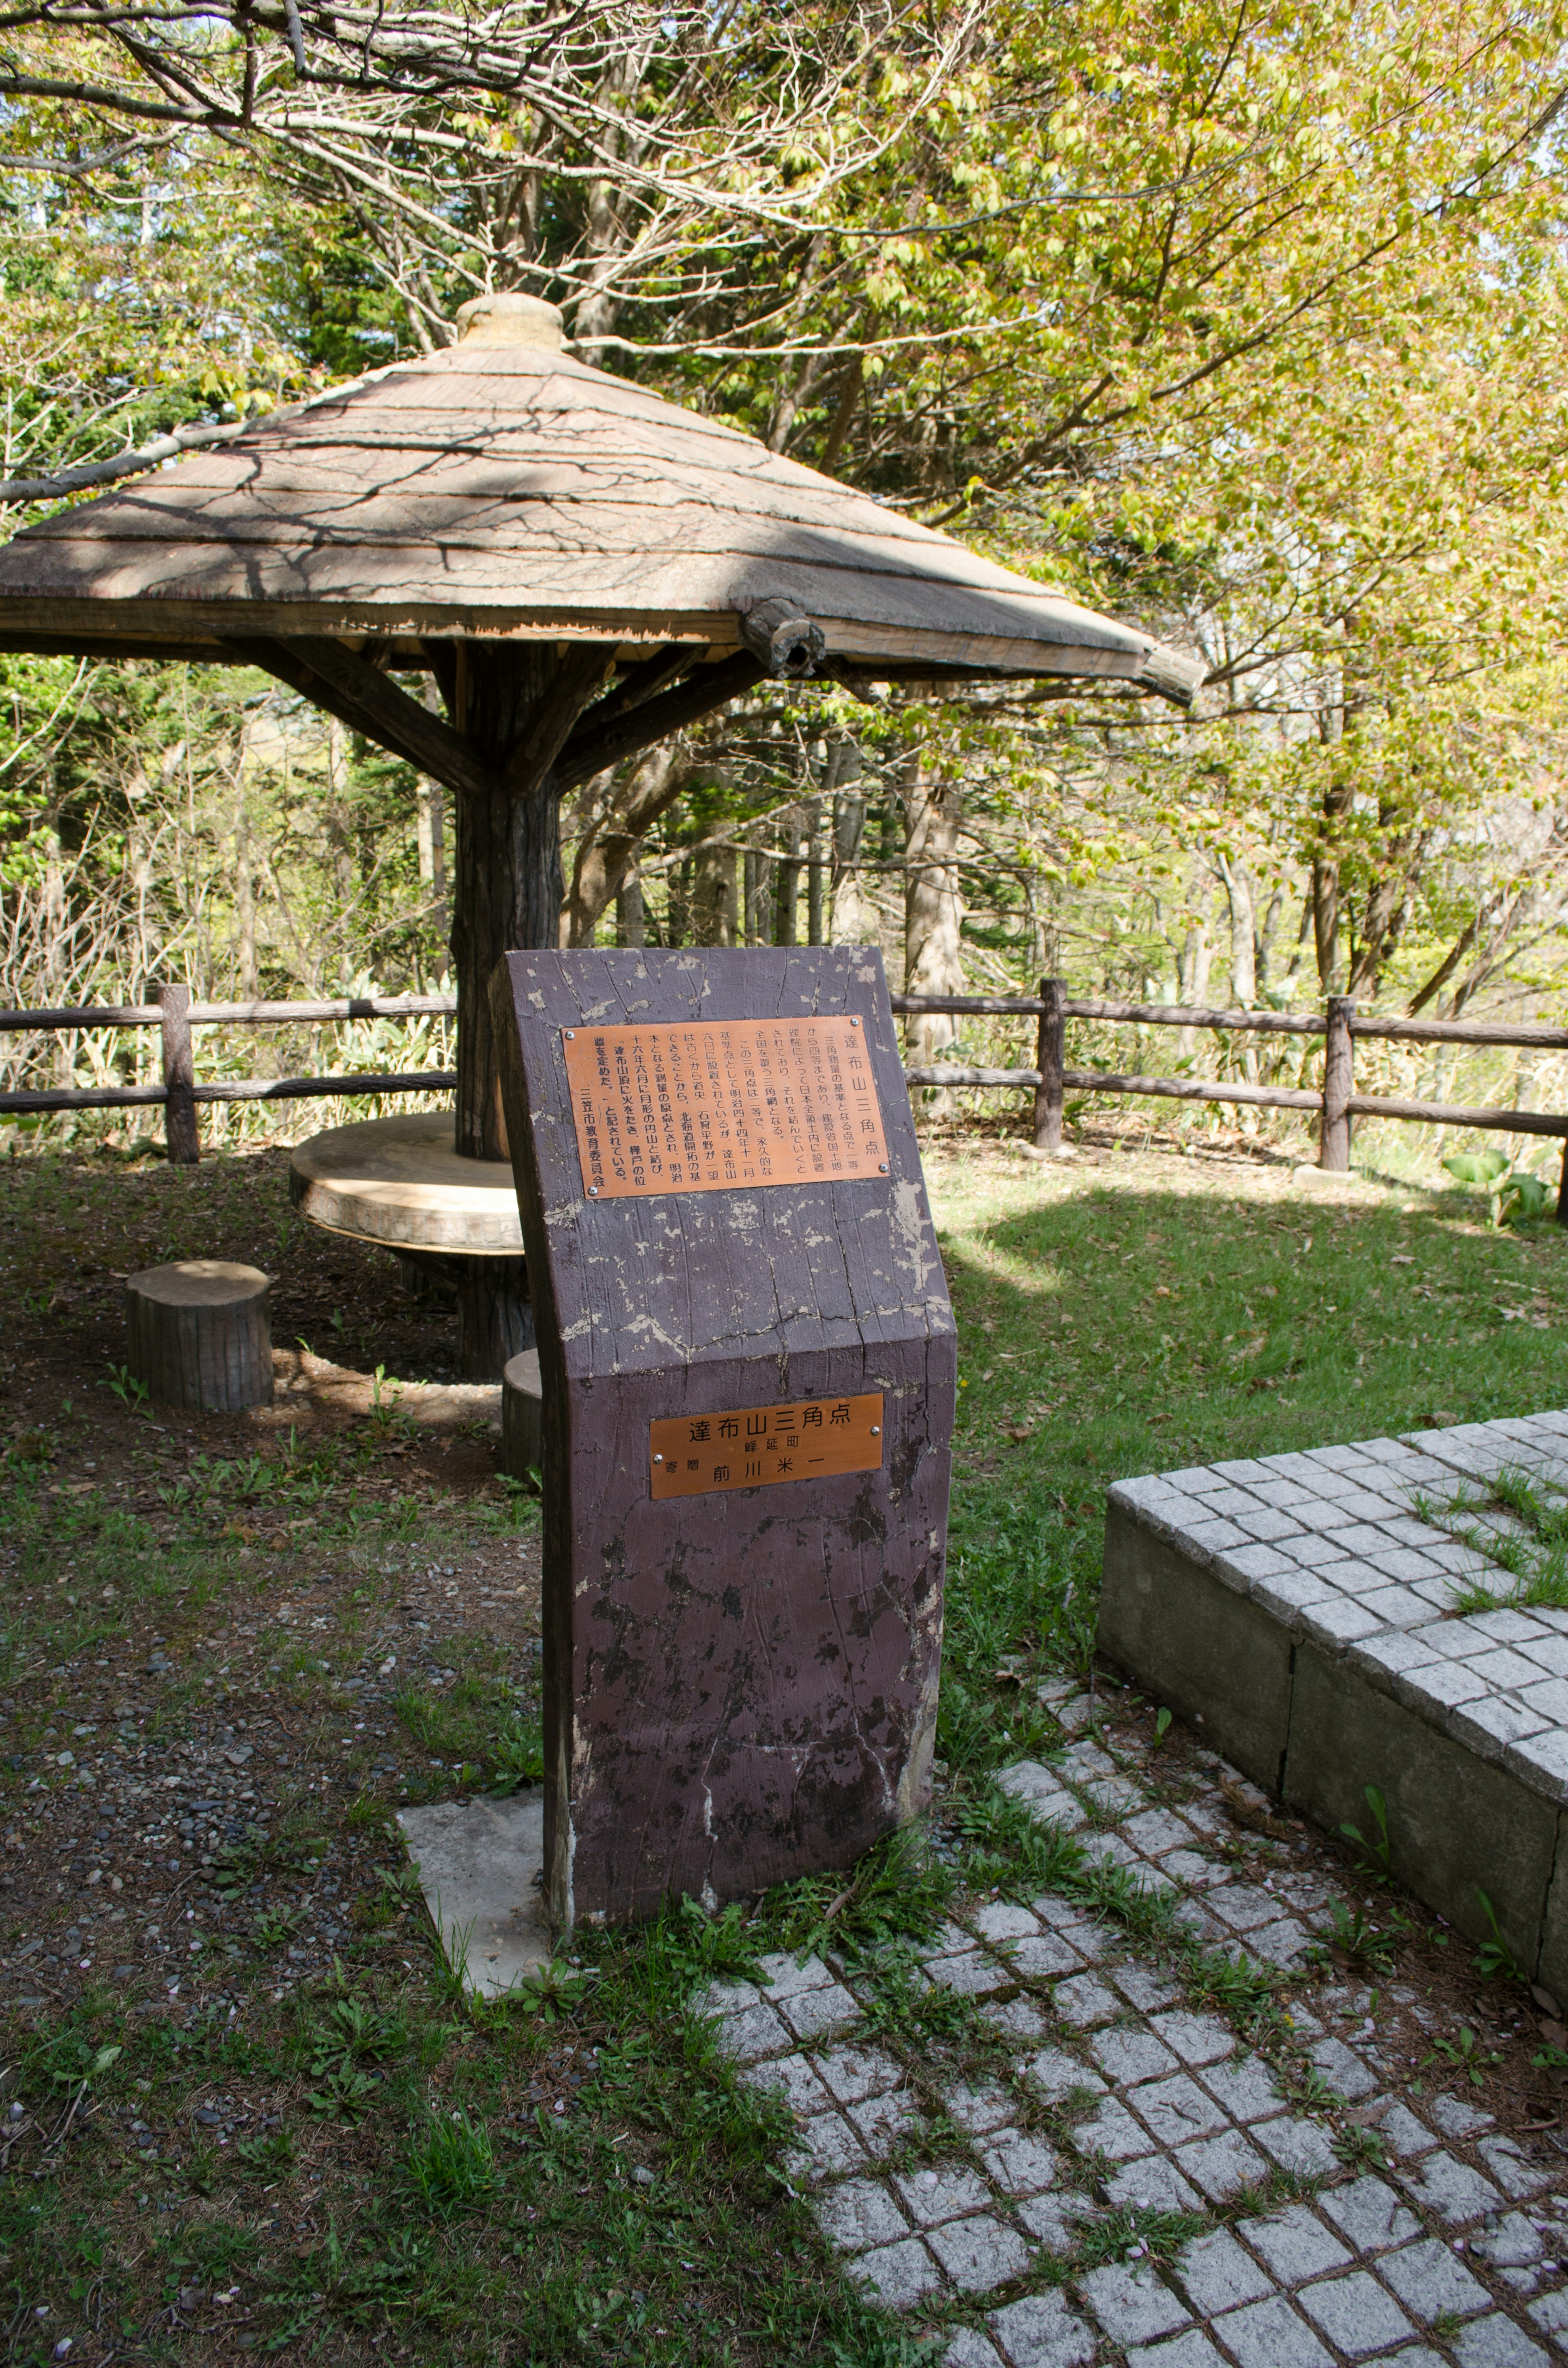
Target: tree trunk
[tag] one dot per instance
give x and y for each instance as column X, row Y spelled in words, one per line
column 713, row 897
column 787, row 913
column 610, row 849
column 1194, row 963
column 509, row 890
column 514, row 702
column 248, row 975
column 813, row 873
column 630, row 930
column 1244, row 941
column 933, row 910
column 1325, row 887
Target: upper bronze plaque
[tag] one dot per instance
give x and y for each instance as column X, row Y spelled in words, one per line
column 714, row 1105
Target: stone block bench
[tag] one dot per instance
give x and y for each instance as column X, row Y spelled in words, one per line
column 1302, row 1611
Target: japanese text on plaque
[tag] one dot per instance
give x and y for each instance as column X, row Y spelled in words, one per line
column 752, row 1446
column 712, row 1105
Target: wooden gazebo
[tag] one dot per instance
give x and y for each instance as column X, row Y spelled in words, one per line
column 582, row 567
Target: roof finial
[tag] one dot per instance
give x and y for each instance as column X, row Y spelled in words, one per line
column 509, row 321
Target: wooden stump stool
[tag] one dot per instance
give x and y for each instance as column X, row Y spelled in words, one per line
column 522, row 1430
column 201, row 1334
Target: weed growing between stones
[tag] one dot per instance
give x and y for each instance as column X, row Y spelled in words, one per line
column 1524, row 1527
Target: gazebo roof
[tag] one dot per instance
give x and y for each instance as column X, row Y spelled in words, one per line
column 504, row 489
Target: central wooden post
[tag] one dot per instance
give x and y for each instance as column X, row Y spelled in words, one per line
column 514, row 702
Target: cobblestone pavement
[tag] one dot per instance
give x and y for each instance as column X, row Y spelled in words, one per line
column 1111, row 2173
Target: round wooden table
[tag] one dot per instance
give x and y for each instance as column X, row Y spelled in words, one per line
column 451, row 1221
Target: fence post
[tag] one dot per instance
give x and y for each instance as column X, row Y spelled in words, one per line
column 1563, row 1188
column 1338, row 1084
column 1051, row 1059
column 179, row 1076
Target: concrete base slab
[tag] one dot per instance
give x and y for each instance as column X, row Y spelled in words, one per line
column 478, row 1863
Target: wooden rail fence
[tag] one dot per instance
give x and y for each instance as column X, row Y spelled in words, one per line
column 175, row 1014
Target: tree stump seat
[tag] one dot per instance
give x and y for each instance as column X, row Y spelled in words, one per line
column 200, row 1334
column 522, row 1409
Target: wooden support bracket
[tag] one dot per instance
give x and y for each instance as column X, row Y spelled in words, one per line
column 360, row 695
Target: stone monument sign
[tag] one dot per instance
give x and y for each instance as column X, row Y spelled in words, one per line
column 748, row 1364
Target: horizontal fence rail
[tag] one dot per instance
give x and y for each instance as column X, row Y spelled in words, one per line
column 176, row 1013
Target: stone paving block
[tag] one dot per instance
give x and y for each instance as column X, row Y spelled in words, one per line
column 725, row 1997
column 1085, row 2001
column 1295, row 2244
column 1497, row 2342
column 1241, row 1906
column 1153, row 2183
column 1431, row 2282
column 1247, row 2089
column 1342, row 2068
column 1052, row 2221
column 1017, row 2019
column 1296, row 2145
column 1513, row 2243
column 1057, row 2075
column 1216, row 2274
column 1091, row 1939
column 1452, row 2190
column 853, row 2073
column 1019, row 2162
column 1042, row 2331
column 1368, row 2214
column 977, row 2111
column 883, row 2122
column 1402, row 2134
column 1197, row 2039
column 1283, row 1943
column 1192, row 2350
column 1457, row 2118
column 1192, row 1871
column 1356, row 2314
column 1002, row 1919
column 898, row 2275
column 783, row 1978
column 935, row 2195
column 1221, row 2165
column 1270, row 2335
column 1130, row 2056
column 1177, row 2108
column 974, row 1976
column 1550, row 2315
column 1042, row 1790
column 813, row 2014
column 827, row 2147
column 970, row 2349
column 1512, row 2168
column 1042, row 1957
column 1155, row 1830
column 754, row 2032
column 794, row 2078
column 860, row 2212
column 1133, row 2304
column 1145, row 1987
column 1113, row 2133
column 979, row 2254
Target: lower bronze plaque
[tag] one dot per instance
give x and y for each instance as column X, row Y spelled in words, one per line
column 717, row 1105
column 752, row 1446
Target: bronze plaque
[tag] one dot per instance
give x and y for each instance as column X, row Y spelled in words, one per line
column 751, row 1447
column 718, row 1105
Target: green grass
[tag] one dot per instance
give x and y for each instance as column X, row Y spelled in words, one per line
column 402, row 2180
